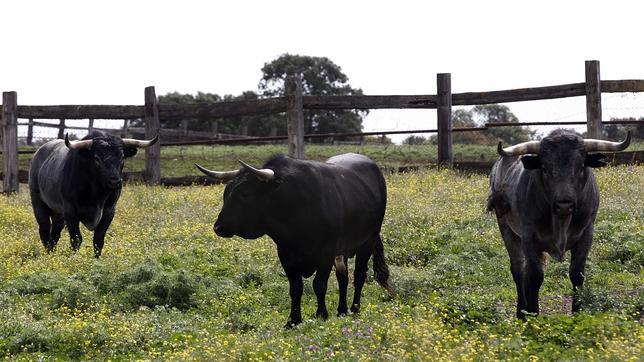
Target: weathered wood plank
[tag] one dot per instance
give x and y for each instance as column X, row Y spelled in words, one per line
column 369, row 102
column 10, row 182
column 294, row 116
column 61, row 129
column 593, row 99
column 518, row 95
column 444, row 112
column 622, row 86
column 152, row 127
column 81, row 112
column 30, row 132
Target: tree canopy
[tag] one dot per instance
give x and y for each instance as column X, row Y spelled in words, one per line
column 478, row 116
column 617, row 132
column 320, row 76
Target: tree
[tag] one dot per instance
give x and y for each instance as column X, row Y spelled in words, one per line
column 478, row 116
column 320, row 76
column 180, row 98
column 618, row 131
column 463, row 119
column 497, row 113
column 414, row 140
column 254, row 125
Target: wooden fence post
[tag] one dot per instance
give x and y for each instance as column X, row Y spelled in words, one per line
column 30, row 132
column 61, row 129
column 10, row 142
column 444, row 112
column 593, row 100
column 90, row 127
column 294, row 116
column 152, row 129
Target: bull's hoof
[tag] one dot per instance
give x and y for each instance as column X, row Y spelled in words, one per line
column 290, row 324
column 355, row 309
column 342, row 311
column 50, row 247
column 322, row 314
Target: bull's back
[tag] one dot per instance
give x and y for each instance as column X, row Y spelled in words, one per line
column 45, row 174
column 363, row 174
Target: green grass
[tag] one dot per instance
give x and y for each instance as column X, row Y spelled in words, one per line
column 167, row 288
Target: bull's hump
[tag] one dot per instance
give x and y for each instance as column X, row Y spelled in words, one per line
column 349, row 157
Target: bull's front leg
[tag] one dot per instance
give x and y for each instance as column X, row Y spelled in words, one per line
column 533, row 274
column 320, row 283
column 578, row 255
column 101, row 229
column 515, row 252
column 295, row 287
column 72, row 222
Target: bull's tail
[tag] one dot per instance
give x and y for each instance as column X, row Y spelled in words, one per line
column 380, row 268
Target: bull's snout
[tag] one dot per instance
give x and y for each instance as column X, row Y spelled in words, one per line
column 564, row 207
column 222, row 231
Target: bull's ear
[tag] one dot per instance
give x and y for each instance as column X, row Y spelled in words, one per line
column 595, row 160
column 531, row 162
column 129, row 151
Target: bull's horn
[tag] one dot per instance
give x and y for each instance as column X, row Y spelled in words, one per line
column 530, row 147
column 140, row 143
column 218, row 175
column 78, row 145
column 592, row 145
column 263, row 174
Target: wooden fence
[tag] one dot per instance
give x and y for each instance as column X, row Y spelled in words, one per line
column 293, row 104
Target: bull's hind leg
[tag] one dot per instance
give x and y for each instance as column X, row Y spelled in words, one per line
column 43, row 213
column 320, row 283
column 360, row 273
column 342, row 274
column 578, row 254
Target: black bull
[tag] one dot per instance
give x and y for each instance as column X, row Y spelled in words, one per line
column 74, row 182
column 318, row 214
column 546, row 202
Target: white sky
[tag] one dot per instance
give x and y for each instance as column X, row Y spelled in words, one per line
column 106, row 52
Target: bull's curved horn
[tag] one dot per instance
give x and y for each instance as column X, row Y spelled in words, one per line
column 217, row 175
column 140, row 143
column 592, row 145
column 519, row 149
column 78, row 145
column 263, row 174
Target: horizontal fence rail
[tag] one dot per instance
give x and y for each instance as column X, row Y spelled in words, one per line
column 278, row 104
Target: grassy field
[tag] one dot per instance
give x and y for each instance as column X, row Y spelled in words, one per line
column 167, row 288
